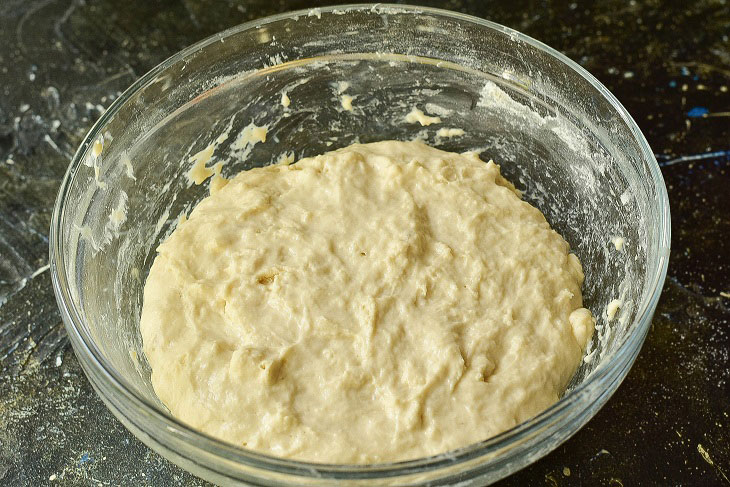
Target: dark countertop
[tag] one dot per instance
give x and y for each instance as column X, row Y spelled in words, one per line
column 63, row 61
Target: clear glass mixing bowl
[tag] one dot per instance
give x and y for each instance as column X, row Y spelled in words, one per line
column 559, row 135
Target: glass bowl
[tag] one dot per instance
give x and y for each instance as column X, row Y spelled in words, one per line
column 558, row 134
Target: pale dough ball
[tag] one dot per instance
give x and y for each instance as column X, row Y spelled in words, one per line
column 377, row 303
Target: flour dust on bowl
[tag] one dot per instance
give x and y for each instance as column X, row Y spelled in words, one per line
column 301, row 84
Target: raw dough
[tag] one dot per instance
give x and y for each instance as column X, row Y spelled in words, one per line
column 416, row 115
column 381, row 302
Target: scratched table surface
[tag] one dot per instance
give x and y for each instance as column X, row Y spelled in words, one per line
column 63, row 61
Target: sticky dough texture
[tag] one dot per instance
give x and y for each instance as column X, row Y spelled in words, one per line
column 381, row 302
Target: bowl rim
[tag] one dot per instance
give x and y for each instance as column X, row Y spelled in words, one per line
column 91, row 356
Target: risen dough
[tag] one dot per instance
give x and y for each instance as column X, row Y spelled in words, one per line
column 381, row 302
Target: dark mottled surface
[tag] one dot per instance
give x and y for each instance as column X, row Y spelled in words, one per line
column 63, row 61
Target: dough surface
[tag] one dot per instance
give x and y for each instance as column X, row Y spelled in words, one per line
column 377, row 303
